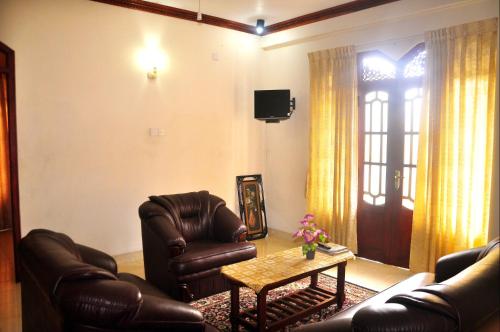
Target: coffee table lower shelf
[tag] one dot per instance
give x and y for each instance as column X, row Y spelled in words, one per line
column 288, row 309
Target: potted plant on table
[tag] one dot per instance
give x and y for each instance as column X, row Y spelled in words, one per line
column 311, row 236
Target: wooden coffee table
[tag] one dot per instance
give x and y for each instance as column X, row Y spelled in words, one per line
column 266, row 273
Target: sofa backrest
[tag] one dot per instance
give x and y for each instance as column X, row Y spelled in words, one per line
column 191, row 213
column 471, row 297
column 53, row 258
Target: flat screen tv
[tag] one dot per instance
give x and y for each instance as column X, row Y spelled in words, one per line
column 272, row 105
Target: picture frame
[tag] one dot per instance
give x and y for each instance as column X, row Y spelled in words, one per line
column 252, row 205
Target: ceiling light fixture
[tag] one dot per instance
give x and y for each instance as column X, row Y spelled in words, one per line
column 259, row 28
column 199, row 16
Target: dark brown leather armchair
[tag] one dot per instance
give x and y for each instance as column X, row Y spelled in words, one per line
column 463, row 295
column 73, row 288
column 186, row 239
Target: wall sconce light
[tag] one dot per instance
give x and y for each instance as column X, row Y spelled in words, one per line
column 152, row 60
column 153, row 73
column 259, row 28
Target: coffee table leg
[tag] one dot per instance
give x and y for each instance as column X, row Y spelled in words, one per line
column 235, row 307
column 340, row 284
column 314, row 280
column 261, row 311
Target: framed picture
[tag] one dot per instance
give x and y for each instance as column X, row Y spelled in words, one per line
column 252, row 207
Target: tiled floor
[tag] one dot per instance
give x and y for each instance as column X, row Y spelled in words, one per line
column 363, row 272
column 369, row 274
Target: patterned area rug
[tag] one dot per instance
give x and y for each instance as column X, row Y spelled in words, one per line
column 216, row 308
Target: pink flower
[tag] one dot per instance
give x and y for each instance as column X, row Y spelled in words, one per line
column 309, row 232
column 309, row 237
column 309, row 217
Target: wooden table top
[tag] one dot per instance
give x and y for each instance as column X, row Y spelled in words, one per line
column 259, row 272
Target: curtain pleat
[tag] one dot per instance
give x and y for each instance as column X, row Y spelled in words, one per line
column 333, row 164
column 454, row 172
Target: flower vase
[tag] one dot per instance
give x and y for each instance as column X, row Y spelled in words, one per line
column 310, row 254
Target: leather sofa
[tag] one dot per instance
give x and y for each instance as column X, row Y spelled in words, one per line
column 73, row 288
column 186, row 240
column 463, row 295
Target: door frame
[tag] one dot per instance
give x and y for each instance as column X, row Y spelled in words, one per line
column 13, row 160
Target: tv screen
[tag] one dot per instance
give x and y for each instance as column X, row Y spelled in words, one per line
column 272, row 104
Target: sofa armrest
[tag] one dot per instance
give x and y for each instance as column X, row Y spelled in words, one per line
column 396, row 317
column 102, row 303
column 120, row 304
column 449, row 265
column 168, row 315
column 98, row 258
column 228, row 227
column 165, row 231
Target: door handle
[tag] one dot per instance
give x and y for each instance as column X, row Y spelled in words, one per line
column 397, row 179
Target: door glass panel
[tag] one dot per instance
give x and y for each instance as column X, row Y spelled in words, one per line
column 376, row 146
column 385, row 106
column 366, row 185
column 406, row 181
column 367, row 148
column 367, row 198
column 413, row 106
column 414, row 150
column 367, row 118
column 384, row 149
column 376, row 106
column 377, row 68
column 416, row 67
column 383, row 180
column 374, row 180
column 377, row 116
column 417, row 107
column 407, row 149
column 407, row 116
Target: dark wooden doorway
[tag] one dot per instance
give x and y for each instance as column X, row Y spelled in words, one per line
column 9, row 147
column 390, row 99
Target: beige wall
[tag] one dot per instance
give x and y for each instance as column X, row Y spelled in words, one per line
column 393, row 28
column 84, row 107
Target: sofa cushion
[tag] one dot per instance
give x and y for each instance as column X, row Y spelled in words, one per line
column 145, row 287
column 205, row 255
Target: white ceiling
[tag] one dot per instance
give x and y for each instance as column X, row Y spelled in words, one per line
column 248, row 11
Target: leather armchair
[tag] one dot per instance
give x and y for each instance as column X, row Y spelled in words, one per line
column 73, row 288
column 186, row 240
column 463, row 295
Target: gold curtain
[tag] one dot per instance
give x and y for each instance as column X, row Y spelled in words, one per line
column 454, row 170
column 333, row 164
column 5, row 202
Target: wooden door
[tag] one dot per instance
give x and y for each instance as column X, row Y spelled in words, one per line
column 10, row 196
column 390, row 99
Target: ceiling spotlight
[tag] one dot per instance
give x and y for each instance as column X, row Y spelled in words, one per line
column 259, row 28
